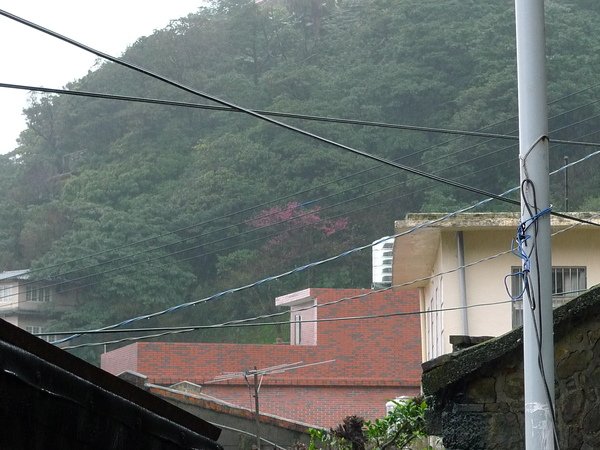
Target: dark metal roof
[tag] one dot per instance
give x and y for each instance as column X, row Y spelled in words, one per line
column 51, row 399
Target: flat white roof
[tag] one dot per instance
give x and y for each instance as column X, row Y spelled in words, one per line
column 294, row 298
column 487, row 220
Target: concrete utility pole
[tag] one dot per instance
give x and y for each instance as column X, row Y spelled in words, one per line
column 538, row 342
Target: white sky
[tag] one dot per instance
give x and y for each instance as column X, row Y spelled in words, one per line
column 30, row 57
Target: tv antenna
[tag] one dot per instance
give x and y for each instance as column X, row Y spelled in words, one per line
column 257, row 376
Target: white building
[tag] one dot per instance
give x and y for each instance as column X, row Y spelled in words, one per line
column 436, row 253
column 29, row 305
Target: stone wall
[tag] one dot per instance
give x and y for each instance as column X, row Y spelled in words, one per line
column 476, row 395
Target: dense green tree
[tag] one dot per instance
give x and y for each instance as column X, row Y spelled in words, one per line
column 105, row 177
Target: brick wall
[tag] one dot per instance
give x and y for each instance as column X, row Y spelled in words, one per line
column 120, row 360
column 325, row 406
column 375, row 360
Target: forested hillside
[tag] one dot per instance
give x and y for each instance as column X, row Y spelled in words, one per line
column 139, row 206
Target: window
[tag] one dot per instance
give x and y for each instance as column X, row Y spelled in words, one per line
column 567, row 283
column 42, row 294
column 298, row 329
column 6, row 292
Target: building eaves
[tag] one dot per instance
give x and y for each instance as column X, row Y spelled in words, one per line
column 483, row 220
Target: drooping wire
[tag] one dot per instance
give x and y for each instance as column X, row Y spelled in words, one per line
column 525, row 240
column 333, row 302
column 252, row 113
column 314, row 118
column 295, row 270
column 305, row 267
column 178, row 330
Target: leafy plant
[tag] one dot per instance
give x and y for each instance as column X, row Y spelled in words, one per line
column 401, row 426
column 404, row 424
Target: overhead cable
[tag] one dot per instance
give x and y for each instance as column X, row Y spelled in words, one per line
column 330, row 303
column 262, row 117
column 271, row 235
column 314, row 118
column 178, row 330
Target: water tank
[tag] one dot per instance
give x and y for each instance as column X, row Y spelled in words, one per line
column 383, row 255
column 389, row 406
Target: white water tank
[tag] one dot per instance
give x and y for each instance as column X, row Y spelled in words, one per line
column 389, row 406
column 383, row 255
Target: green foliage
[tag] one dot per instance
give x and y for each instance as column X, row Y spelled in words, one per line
column 94, row 177
column 403, row 425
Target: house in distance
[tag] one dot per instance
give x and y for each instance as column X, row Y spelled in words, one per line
column 467, row 272
column 30, row 305
column 347, row 366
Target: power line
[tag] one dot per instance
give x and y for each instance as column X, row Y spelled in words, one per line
column 178, row 330
column 292, row 271
column 287, row 115
column 206, row 299
column 229, row 109
column 249, row 322
column 281, row 313
column 314, row 118
column 263, row 117
column 265, row 237
column 274, row 277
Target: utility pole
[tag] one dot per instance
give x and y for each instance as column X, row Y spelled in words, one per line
column 538, row 342
column 256, row 411
column 566, row 184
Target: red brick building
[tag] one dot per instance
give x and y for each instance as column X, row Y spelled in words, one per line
column 376, row 359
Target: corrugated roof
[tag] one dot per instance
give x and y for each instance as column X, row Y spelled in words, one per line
column 15, row 274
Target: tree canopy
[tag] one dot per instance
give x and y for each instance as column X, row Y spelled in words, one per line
column 139, row 206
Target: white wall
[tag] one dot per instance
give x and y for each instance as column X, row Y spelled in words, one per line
column 485, row 281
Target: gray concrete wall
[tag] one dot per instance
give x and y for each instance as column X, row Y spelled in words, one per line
column 483, row 407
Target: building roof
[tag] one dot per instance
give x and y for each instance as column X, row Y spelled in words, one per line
column 69, row 404
column 484, row 220
column 415, row 253
column 14, row 275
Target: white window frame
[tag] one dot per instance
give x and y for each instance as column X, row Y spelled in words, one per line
column 6, row 293
column 41, row 294
column 560, row 296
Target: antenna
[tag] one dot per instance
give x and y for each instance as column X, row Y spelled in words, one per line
column 257, row 382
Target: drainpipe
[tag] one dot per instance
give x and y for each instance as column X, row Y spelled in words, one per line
column 462, row 283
